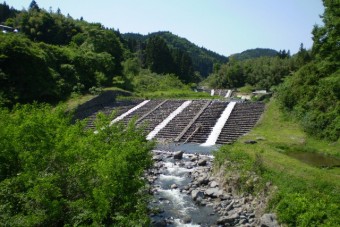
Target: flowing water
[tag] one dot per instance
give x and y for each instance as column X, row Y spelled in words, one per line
column 176, row 207
column 129, row 112
column 159, row 127
column 216, row 131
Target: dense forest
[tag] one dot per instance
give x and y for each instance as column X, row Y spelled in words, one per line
column 306, row 84
column 312, row 94
column 254, row 53
column 54, row 56
column 202, row 59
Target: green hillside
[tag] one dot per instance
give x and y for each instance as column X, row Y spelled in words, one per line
column 254, row 53
column 202, row 59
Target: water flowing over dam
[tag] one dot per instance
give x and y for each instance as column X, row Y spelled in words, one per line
column 206, row 122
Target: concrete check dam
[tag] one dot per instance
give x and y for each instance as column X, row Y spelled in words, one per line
column 207, row 122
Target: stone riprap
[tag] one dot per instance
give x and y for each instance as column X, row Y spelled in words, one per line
column 194, row 123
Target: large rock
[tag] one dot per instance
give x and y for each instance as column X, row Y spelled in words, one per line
column 212, row 192
column 186, row 220
column 157, row 158
column 269, row 220
column 196, row 194
column 178, row 155
column 213, row 184
column 202, row 162
column 227, row 220
column 202, row 180
column 174, row 186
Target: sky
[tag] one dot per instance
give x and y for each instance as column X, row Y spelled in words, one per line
column 223, row 26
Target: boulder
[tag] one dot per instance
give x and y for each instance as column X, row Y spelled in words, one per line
column 213, row 184
column 157, row 158
column 202, row 180
column 186, row 220
column 268, row 220
column 202, row 162
column 159, row 223
column 227, row 220
column 195, row 194
column 174, row 186
column 178, row 155
column 212, row 192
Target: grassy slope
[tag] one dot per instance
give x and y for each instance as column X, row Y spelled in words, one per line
column 306, row 195
column 177, row 94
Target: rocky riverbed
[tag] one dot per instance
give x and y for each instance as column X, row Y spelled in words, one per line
column 186, row 193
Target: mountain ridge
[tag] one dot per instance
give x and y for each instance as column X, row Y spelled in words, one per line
column 203, row 59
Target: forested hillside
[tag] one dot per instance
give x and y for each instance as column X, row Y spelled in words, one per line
column 312, row 94
column 310, row 91
column 54, row 56
column 202, row 59
column 254, row 53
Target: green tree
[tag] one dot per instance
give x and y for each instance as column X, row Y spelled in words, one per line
column 312, row 93
column 33, row 6
column 55, row 173
column 158, row 56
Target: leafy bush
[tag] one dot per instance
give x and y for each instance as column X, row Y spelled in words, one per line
column 54, row 173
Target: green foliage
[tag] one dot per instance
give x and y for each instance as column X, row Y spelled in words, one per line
column 158, row 56
column 6, row 12
column 148, row 81
column 301, row 195
column 261, row 73
column 54, row 173
column 42, row 72
column 201, row 58
column 298, row 209
column 52, row 28
column 312, row 93
column 54, row 56
column 254, row 53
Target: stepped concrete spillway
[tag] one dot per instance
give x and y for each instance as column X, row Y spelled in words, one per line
column 197, row 121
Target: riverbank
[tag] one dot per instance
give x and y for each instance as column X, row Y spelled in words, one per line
column 186, row 192
column 303, row 195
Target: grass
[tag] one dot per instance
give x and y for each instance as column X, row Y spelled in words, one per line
column 176, row 94
column 76, row 100
column 306, row 195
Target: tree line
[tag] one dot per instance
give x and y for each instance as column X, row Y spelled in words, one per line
column 54, row 56
column 312, row 93
column 306, row 84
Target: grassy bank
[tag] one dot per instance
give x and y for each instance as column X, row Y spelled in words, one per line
column 176, row 93
column 305, row 195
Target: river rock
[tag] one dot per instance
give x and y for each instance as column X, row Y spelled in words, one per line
column 224, row 220
column 202, row 162
column 157, row 158
column 159, row 223
column 186, row 220
column 202, row 180
column 269, row 220
column 195, row 194
column 193, row 159
column 174, row 186
column 230, row 206
column 178, row 155
column 212, row 192
column 213, row 184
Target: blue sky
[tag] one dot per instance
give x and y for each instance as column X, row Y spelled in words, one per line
column 223, row 26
